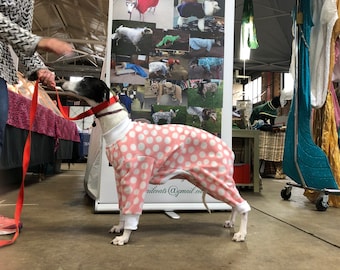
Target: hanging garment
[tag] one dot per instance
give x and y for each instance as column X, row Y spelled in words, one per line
column 301, row 154
column 329, row 144
column 266, row 111
column 248, row 39
column 324, row 17
column 328, row 140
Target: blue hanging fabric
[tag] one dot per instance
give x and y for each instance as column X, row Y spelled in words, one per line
column 306, row 156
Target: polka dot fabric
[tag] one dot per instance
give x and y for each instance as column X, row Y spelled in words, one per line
column 150, row 153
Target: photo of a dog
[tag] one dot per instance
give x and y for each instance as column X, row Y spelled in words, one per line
column 142, row 153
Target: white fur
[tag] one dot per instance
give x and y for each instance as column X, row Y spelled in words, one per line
column 134, row 35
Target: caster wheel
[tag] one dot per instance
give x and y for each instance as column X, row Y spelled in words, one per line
column 286, row 194
column 321, row 205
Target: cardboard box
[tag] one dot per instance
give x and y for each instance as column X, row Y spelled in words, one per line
column 242, row 173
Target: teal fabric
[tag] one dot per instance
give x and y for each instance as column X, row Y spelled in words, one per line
column 311, row 160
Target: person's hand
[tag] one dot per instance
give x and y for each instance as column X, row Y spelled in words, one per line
column 46, row 77
column 55, row 45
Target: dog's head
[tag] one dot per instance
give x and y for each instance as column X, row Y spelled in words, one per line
column 154, row 87
column 93, row 90
column 209, row 114
column 210, row 7
column 130, row 5
column 147, row 31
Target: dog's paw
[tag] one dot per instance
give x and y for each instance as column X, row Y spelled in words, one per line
column 239, row 237
column 119, row 241
column 123, row 239
column 116, row 229
column 228, row 224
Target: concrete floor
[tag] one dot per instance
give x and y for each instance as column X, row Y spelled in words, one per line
column 62, row 232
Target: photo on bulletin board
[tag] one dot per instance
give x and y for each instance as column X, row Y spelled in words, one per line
column 205, row 93
column 131, row 69
column 205, row 118
column 170, row 66
column 160, row 12
column 131, row 37
column 170, row 40
column 202, row 18
column 162, row 114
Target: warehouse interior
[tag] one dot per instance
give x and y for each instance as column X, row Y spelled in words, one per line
column 65, row 216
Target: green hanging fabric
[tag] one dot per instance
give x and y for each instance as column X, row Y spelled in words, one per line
column 248, row 30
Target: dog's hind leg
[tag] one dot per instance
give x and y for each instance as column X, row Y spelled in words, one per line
column 239, row 236
column 231, row 221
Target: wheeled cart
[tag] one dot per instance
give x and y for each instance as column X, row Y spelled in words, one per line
column 303, row 161
column 321, row 202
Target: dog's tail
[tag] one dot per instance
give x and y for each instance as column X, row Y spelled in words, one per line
column 204, row 202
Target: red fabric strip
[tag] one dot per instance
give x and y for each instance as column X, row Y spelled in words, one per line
column 25, row 164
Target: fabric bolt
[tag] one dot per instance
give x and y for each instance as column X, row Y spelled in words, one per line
column 155, row 154
column 47, row 122
column 271, row 145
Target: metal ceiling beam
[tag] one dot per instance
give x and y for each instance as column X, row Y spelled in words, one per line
column 76, row 70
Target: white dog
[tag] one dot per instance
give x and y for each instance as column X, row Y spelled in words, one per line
column 133, row 35
column 142, row 153
column 167, row 116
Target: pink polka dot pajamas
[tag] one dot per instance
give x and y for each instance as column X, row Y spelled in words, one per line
column 155, row 154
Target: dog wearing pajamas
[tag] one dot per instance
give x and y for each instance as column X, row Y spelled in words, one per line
column 143, row 154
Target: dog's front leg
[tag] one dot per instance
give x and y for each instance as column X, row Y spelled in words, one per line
column 129, row 223
column 240, row 236
column 123, row 239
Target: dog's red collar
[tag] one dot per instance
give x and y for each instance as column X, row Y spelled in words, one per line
column 90, row 111
column 104, row 105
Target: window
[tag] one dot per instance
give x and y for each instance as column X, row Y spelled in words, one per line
column 253, row 90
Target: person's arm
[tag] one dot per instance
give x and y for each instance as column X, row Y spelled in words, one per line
column 24, row 43
column 22, row 40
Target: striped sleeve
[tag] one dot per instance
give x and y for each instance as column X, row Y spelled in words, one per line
column 21, row 40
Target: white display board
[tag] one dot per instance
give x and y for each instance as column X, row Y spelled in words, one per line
column 175, row 194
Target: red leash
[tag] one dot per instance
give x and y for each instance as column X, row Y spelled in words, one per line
column 27, row 150
column 90, row 111
column 25, row 164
